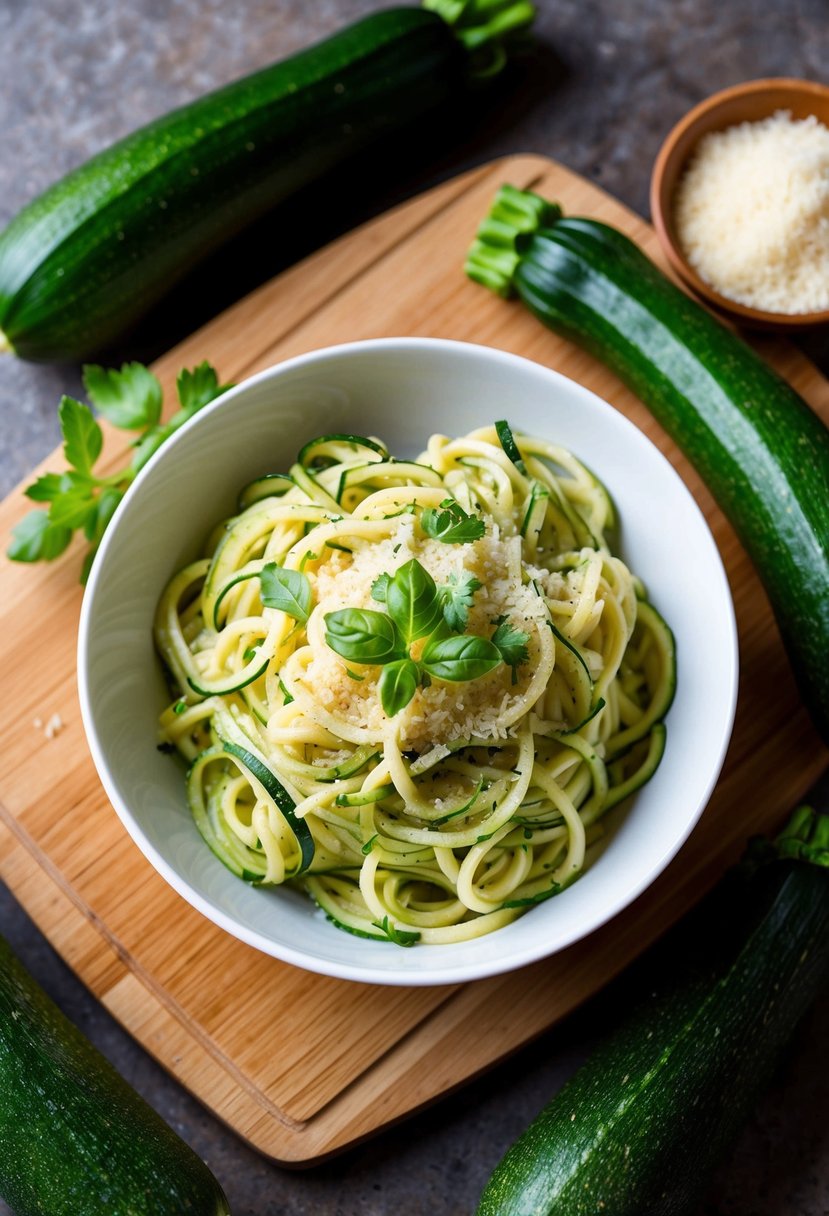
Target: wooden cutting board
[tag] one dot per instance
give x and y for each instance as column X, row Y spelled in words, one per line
column 298, row 1064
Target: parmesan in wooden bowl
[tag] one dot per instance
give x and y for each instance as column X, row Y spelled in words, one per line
column 740, row 200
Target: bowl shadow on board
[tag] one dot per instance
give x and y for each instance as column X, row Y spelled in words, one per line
column 416, row 159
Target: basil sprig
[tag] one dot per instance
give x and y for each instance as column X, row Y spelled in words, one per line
column 417, row 608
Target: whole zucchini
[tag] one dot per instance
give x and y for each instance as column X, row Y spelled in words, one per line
column 639, row 1128
column 84, row 260
column 75, row 1138
column 762, row 452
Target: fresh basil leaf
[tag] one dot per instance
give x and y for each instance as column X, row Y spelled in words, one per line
column 379, row 587
column 412, row 601
column 456, row 597
column 198, row 387
column 451, row 525
column 82, row 437
column 459, row 658
column 511, row 644
column 288, row 590
column 130, row 399
column 398, row 684
column 36, row 539
column 360, row 635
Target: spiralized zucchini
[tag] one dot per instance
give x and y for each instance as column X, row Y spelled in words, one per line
column 480, row 795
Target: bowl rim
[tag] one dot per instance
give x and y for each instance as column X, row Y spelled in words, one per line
column 662, row 222
column 423, row 975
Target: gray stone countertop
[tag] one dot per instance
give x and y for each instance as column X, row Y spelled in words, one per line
column 611, row 78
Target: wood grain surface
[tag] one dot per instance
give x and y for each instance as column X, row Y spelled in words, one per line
column 298, row 1064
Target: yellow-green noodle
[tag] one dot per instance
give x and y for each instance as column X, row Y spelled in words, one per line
column 417, row 838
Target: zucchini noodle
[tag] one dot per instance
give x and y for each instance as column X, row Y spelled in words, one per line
column 479, row 797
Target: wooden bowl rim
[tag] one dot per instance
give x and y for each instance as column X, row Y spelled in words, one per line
column 754, row 316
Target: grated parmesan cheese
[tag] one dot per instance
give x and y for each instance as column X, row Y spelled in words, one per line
column 443, row 712
column 752, row 213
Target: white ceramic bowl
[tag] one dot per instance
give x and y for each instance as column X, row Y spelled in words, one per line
column 403, row 390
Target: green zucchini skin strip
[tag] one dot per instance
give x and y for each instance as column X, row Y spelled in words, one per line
column 640, row 1127
column 763, row 453
column 282, row 799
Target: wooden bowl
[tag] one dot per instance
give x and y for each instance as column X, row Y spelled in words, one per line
column 749, row 102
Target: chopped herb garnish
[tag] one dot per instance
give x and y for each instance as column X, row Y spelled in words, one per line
column 451, row 525
column 379, row 588
column 511, row 644
column 456, row 596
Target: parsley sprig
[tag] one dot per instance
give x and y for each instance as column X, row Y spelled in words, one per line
column 416, row 608
column 451, row 524
column 78, row 500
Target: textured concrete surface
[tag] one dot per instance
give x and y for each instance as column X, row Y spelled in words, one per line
column 609, row 79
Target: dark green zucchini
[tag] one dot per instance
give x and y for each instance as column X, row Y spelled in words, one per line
column 74, row 1137
column 87, row 258
column 638, row 1130
column 762, row 452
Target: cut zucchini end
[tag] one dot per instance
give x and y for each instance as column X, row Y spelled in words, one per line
column 514, row 217
column 806, row 837
column 6, row 347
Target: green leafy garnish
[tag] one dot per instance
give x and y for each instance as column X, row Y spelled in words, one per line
column 130, row 399
column 511, row 644
column 451, row 525
column 398, row 684
column 82, row 437
column 79, row 500
column 360, row 635
column 379, row 588
column 288, row 590
column 456, row 596
column 412, row 601
column 416, row 608
column 459, row 658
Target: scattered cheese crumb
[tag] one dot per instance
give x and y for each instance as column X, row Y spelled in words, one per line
column 54, row 726
column 752, row 213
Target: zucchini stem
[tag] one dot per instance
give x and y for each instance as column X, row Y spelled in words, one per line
column 514, row 217
column 805, row 837
column 487, row 29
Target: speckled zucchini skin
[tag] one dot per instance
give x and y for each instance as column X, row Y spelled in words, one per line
column 760, row 449
column 638, row 1130
column 75, row 1138
column 92, row 254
